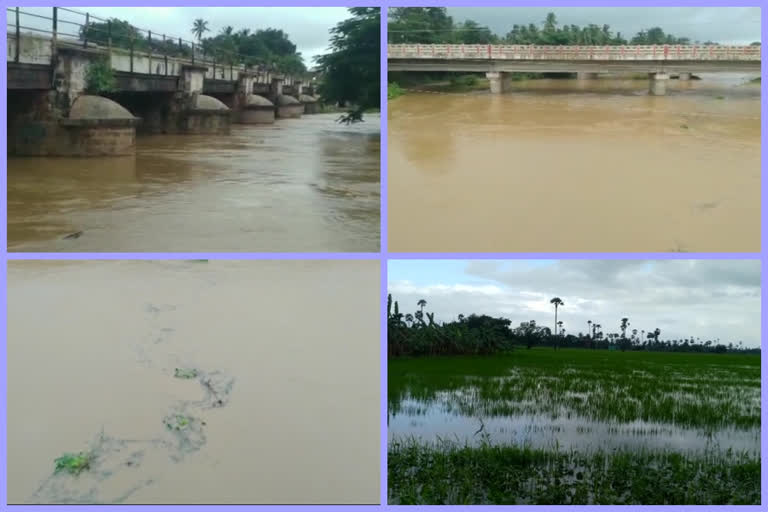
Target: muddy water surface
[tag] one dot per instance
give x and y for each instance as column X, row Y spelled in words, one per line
column 306, row 184
column 568, row 165
column 283, row 406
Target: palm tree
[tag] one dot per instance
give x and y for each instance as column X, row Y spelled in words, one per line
column 199, row 27
column 656, row 334
column 421, row 304
column 624, row 325
column 589, row 326
column 560, row 324
column 557, row 301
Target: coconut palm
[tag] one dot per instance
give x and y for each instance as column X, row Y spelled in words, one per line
column 199, row 27
column 421, row 304
column 557, row 301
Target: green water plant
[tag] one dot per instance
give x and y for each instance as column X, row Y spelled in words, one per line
column 73, row 463
column 185, row 373
column 177, row 422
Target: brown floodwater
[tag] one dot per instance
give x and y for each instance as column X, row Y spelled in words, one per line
column 304, row 185
column 571, row 166
column 284, row 406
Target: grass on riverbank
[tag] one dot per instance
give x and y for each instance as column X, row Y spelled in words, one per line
column 454, row 474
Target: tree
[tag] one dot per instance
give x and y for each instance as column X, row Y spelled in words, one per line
column 199, row 27
column 350, row 73
column 421, row 304
column 624, row 325
column 557, row 301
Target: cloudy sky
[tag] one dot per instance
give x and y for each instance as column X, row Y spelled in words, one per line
column 307, row 26
column 726, row 25
column 684, row 298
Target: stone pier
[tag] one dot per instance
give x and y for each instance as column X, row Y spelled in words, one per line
column 658, row 84
column 499, row 81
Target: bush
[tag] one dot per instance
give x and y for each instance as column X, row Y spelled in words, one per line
column 99, row 77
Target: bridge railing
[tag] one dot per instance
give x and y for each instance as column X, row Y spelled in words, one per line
column 552, row 52
column 33, row 38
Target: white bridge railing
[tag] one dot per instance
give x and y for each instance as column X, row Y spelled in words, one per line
column 576, row 53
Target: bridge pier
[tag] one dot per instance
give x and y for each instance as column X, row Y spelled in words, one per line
column 658, row 84
column 499, row 81
column 684, row 76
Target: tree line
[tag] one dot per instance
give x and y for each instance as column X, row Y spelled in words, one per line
column 433, row 25
column 270, row 48
column 418, row 334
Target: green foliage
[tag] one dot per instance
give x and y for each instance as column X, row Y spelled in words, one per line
column 269, row 48
column 99, row 77
column 394, row 90
column 185, row 373
column 448, row 473
column 432, row 25
column 350, row 73
column 73, row 463
column 699, row 391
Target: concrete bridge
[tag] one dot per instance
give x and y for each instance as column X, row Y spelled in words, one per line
column 659, row 61
column 50, row 113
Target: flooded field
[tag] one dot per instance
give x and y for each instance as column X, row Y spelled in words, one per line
column 193, row 382
column 575, row 426
column 306, row 184
column 569, row 165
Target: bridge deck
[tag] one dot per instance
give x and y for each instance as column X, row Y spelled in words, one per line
column 652, row 53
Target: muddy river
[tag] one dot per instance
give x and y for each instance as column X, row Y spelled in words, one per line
column 194, row 382
column 306, row 184
column 572, row 166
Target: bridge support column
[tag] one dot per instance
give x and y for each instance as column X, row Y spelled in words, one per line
column 684, row 76
column 586, row 75
column 499, row 81
column 658, row 84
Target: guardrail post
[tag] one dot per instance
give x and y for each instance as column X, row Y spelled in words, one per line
column 149, row 55
column 193, row 53
column 214, row 66
column 133, row 40
column 18, row 38
column 165, row 56
column 55, row 28
column 85, row 32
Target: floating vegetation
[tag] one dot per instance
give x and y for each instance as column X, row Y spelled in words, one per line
column 719, row 97
column 185, row 373
column 72, row 463
column 177, row 422
column 684, row 126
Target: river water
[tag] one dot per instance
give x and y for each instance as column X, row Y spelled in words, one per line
column 306, row 184
column 569, row 165
column 284, row 409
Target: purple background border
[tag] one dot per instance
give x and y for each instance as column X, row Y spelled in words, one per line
column 383, row 255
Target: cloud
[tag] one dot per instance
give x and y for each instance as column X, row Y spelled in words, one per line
column 684, row 298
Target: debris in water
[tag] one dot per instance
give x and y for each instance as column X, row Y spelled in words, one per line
column 185, row 373
column 72, row 236
column 74, row 464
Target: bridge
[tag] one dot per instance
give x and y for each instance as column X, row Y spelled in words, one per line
column 160, row 85
column 659, row 61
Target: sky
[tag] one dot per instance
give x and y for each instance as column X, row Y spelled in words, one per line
column 725, row 25
column 706, row 299
column 307, row 26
